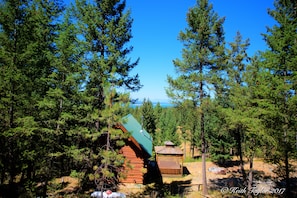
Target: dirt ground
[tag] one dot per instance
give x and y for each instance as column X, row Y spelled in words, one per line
column 195, row 171
column 264, row 176
column 187, row 186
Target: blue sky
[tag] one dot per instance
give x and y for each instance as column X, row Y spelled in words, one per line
column 157, row 24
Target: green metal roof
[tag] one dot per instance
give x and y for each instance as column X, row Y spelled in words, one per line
column 138, row 133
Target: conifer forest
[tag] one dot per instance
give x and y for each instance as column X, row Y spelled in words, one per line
column 66, row 78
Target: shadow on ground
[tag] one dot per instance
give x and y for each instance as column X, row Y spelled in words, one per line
column 263, row 186
column 175, row 188
column 186, row 171
column 229, row 164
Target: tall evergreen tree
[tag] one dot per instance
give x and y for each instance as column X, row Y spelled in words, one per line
column 202, row 55
column 108, row 173
column 12, row 93
column 28, row 30
column 42, row 19
column 280, row 60
column 157, row 112
column 221, row 140
column 166, row 128
column 189, row 122
column 244, row 117
column 256, row 108
column 57, row 108
column 105, row 30
column 245, row 106
column 235, row 93
column 148, row 117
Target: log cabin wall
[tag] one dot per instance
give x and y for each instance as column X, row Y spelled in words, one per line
column 136, row 158
column 137, row 150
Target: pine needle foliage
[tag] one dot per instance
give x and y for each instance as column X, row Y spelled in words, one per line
column 202, row 55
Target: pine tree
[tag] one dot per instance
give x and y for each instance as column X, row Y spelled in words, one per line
column 245, row 106
column 57, row 108
column 27, row 33
column 202, row 55
column 104, row 31
column 280, row 60
column 221, row 140
column 256, row 133
column 166, row 128
column 157, row 112
column 109, row 171
column 235, row 93
column 189, row 120
column 148, row 117
column 12, row 94
column 42, row 19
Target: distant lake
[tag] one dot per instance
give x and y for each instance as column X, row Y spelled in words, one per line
column 162, row 104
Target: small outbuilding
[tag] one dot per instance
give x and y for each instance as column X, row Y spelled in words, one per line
column 169, row 159
column 137, row 150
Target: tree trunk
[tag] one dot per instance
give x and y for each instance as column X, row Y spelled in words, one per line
column 2, row 177
column 192, row 147
column 287, row 150
column 203, row 142
column 185, row 149
column 44, row 190
column 204, row 179
column 250, row 181
column 287, row 168
column 239, row 148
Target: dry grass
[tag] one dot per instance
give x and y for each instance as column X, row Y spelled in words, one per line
column 67, row 183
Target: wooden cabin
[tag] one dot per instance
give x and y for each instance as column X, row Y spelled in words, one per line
column 169, row 159
column 137, row 150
